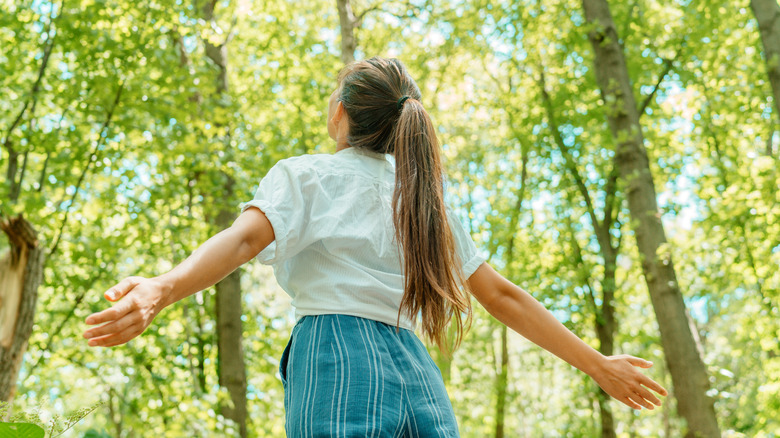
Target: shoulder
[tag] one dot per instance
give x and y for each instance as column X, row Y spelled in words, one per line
column 307, row 162
column 299, row 162
column 321, row 166
column 298, row 167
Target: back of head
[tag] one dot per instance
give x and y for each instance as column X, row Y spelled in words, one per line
column 385, row 114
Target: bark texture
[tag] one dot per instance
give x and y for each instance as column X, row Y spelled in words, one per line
column 689, row 375
column 767, row 14
column 21, row 271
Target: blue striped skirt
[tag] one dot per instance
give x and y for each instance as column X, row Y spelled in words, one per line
column 346, row 376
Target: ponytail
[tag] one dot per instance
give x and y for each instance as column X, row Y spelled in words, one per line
column 432, row 272
column 385, row 115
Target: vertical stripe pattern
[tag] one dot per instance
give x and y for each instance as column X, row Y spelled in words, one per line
column 347, row 376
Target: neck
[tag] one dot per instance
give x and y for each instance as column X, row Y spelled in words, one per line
column 341, row 146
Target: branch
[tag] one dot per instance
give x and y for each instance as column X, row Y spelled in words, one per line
column 667, row 69
column 565, row 151
column 357, row 21
column 98, row 374
column 231, row 31
column 48, row 46
column 30, row 370
column 610, row 198
column 516, row 212
column 583, row 269
column 92, row 157
column 42, row 179
column 632, row 7
column 620, row 234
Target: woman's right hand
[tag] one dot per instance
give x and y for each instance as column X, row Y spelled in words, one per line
column 137, row 301
column 619, row 377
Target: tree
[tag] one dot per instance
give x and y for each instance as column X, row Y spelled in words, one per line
column 231, row 368
column 21, row 268
column 685, row 365
column 767, row 14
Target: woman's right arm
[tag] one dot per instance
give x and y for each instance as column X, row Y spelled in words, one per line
column 139, row 300
column 518, row 310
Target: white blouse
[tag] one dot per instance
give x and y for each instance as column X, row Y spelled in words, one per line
column 334, row 249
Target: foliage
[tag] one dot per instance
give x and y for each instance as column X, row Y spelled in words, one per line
column 123, row 147
column 40, row 422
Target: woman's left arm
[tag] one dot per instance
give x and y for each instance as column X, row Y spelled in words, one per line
column 513, row 306
column 138, row 300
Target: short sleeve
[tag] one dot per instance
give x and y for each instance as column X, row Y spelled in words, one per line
column 470, row 257
column 281, row 197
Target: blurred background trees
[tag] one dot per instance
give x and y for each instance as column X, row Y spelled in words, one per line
column 130, row 132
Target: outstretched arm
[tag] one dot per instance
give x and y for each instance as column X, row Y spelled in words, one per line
column 513, row 306
column 139, row 300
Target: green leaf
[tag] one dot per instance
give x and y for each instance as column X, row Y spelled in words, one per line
column 21, row 430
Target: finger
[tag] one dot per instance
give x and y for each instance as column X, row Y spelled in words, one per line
column 639, row 362
column 641, row 401
column 111, row 327
column 111, row 314
column 652, row 384
column 647, row 395
column 121, row 289
column 630, row 403
column 115, row 338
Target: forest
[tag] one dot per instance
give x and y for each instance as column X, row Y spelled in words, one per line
column 619, row 160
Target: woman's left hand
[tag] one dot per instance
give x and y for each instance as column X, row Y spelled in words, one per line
column 619, row 377
column 137, row 301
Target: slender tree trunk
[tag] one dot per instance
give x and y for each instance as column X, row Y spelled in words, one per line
column 347, row 21
column 502, row 374
column 605, row 329
column 21, row 270
column 604, row 320
column 689, row 375
column 230, row 353
column 115, row 413
column 767, row 14
column 502, row 381
column 232, row 372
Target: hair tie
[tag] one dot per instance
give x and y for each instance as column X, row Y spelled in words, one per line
column 401, row 102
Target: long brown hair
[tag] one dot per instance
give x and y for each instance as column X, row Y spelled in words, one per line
column 381, row 120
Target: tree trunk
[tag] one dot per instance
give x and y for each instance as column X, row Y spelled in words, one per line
column 689, row 375
column 230, row 352
column 767, row 14
column 21, row 270
column 502, row 373
column 502, row 381
column 604, row 320
column 347, row 21
column 605, row 329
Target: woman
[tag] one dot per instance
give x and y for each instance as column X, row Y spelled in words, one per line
column 363, row 242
